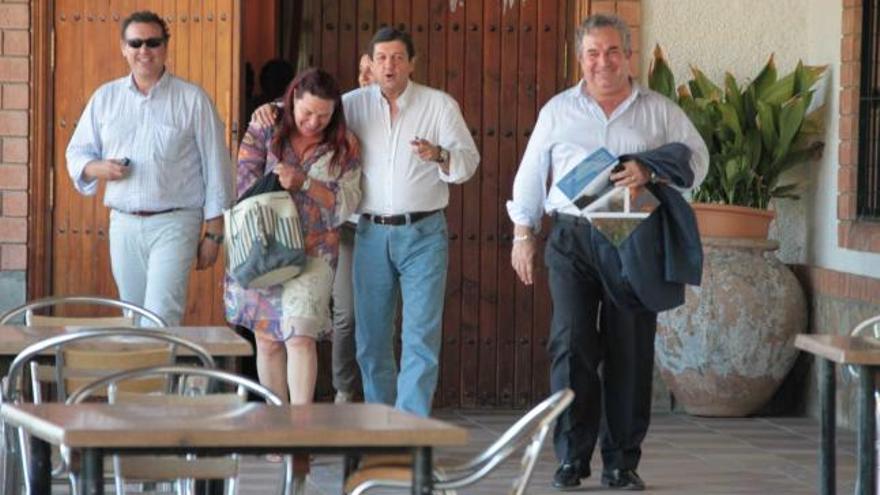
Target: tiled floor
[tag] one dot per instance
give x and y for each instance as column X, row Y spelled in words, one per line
column 681, row 455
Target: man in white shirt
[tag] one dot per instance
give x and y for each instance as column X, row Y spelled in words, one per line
column 606, row 109
column 158, row 143
column 414, row 142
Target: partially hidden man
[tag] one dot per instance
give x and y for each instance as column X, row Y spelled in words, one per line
column 158, row 143
column 606, row 297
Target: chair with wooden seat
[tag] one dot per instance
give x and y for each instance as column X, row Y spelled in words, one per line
column 527, row 434
column 132, row 314
column 81, row 357
column 192, row 386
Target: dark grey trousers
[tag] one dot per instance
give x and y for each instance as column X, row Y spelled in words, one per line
column 603, row 353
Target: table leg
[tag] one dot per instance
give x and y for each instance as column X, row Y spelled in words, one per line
column 423, row 483
column 91, row 481
column 867, row 441
column 828, row 425
column 12, row 479
column 41, row 466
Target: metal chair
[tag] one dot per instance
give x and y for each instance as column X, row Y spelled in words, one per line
column 130, row 313
column 13, row 389
column 189, row 392
column 528, row 434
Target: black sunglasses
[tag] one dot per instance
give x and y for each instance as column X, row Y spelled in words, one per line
column 150, row 42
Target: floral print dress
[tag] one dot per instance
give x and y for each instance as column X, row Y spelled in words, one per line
column 300, row 306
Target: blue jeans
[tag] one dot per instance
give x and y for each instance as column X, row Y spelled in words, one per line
column 409, row 260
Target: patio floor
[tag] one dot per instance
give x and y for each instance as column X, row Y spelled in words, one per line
column 682, row 455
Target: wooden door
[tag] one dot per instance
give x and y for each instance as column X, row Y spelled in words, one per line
column 204, row 49
column 501, row 61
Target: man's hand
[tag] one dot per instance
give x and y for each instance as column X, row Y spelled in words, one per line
column 265, row 115
column 428, row 152
column 633, row 174
column 522, row 256
column 207, row 254
column 106, row 170
column 290, row 178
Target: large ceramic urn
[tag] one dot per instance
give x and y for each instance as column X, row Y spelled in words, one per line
column 729, row 347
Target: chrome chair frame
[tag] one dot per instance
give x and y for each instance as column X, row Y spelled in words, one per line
column 184, row 372
column 12, row 385
column 527, row 433
column 127, row 308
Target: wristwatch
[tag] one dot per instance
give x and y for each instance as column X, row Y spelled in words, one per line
column 217, row 238
column 442, row 156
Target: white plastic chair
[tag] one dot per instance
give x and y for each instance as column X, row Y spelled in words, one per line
column 528, row 434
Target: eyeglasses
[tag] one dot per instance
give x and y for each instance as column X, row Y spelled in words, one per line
column 150, row 42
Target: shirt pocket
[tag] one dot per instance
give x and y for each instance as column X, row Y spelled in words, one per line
column 169, row 142
column 117, row 138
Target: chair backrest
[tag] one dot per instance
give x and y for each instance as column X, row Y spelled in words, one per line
column 127, row 338
column 191, row 387
column 130, row 313
column 867, row 328
column 527, row 433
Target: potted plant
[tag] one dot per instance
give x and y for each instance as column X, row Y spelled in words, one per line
column 729, row 347
column 755, row 133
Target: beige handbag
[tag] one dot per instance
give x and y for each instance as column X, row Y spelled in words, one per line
column 264, row 240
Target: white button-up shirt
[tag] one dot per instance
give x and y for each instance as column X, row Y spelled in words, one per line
column 172, row 137
column 396, row 180
column 644, row 121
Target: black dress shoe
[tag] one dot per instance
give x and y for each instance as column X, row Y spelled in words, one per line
column 570, row 474
column 623, row 479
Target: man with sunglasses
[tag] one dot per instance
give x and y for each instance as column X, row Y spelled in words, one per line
column 158, row 143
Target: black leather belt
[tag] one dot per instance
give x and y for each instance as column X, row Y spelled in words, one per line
column 403, row 219
column 150, row 213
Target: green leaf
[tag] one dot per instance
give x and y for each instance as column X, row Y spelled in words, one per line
column 730, row 118
column 660, row 77
column 780, row 91
column 791, row 116
column 733, row 95
column 706, row 88
column 766, row 123
column 765, row 79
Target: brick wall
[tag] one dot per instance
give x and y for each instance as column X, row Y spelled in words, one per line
column 851, row 234
column 14, row 108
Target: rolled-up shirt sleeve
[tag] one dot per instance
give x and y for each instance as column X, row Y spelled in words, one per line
column 530, row 183
column 455, row 137
column 84, row 147
column 216, row 165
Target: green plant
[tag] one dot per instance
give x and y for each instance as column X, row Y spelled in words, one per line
column 754, row 133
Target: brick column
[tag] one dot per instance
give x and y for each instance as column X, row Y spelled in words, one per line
column 14, row 108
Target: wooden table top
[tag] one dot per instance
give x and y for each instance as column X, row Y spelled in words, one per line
column 218, row 341
column 251, row 425
column 842, row 349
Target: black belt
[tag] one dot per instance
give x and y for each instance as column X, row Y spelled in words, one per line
column 140, row 213
column 403, row 219
column 569, row 219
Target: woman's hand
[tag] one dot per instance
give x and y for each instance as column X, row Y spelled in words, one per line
column 291, row 178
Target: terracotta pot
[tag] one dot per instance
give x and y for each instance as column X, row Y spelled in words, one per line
column 715, row 220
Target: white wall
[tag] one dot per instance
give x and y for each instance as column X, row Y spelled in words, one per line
column 738, row 36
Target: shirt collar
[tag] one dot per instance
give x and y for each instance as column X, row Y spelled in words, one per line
column 403, row 99
column 637, row 90
column 163, row 81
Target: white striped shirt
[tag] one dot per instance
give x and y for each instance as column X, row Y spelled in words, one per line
column 172, row 137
